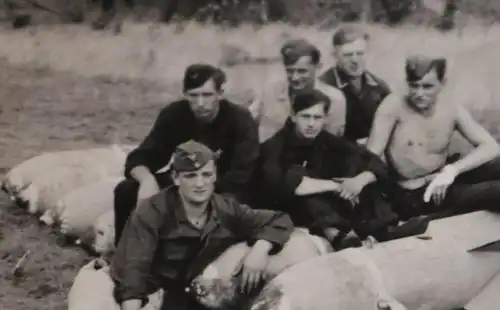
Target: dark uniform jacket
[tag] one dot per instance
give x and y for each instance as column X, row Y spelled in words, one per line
column 161, row 249
column 285, row 160
column 233, row 133
column 360, row 107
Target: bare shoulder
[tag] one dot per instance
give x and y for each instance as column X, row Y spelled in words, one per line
column 391, row 106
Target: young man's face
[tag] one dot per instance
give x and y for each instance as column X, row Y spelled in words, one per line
column 310, row 122
column 351, row 57
column 422, row 94
column 302, row 73
column 204, row 101
column 196, row 187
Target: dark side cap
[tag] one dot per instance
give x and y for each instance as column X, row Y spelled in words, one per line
column 294, row 49
column 418, row 65
column 191, row 156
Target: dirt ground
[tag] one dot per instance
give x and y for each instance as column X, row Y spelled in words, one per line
column 64, row 87
column 44, row 110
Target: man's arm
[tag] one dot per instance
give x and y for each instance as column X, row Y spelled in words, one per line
column 255, row 107
column 150, row 155
column 297, row 182
column 131, row 264
column 260, row 224
column 244, row 157
column 486, row 147
column 386, row 118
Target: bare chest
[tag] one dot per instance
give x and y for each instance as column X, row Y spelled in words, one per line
column 431, row 135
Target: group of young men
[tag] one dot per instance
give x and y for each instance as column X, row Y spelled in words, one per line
column 338, row 153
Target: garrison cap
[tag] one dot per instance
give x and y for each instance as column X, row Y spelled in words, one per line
column 347, row 34
column 294, row 49
column 199, row 73
column 305, row 100
column 191, row 156
column 417, row 66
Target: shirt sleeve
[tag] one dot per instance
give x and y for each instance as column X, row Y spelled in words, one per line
column 151, row 152
column 261, row 224
column 244, row 157
column 131, row 264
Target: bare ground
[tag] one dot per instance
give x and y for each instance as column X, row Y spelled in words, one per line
column 44, row 110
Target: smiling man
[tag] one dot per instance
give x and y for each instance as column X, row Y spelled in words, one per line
column 202, row 115
column 175, row 234
column 326, row 183
column 363, row 90
column 271, row 108
column 414, row 133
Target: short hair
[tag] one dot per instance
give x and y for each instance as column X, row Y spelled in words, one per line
column 305, row 100
column 417, row 66
column 199, row 73
column 294, row 49
column 348, row 34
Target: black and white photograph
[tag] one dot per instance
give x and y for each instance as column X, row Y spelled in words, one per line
column 250, row 155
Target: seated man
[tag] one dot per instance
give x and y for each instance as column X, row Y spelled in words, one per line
column 272, row 106
column 363, row 90
column 175, row 234
column 414, row 132
column 323, row 181
column 203, row 115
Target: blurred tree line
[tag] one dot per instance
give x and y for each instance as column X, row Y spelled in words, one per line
column 323, row 12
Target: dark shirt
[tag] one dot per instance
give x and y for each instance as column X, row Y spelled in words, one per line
column 233, row 132
column 360, row 107
column 285, row 159
column 160, row 243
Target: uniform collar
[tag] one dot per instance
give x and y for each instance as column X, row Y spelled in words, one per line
column 341, row 78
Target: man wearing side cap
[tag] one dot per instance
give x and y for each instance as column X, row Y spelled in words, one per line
column 202, row 115
column 363, row 90
column 414, row 131
column 176, row 233
column 326, row 183
column 272, row 106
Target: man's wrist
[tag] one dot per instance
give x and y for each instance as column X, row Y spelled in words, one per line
column 451, row 169
column 262, row 246
column 334, row 186
column 131, row 304
column 366, row 177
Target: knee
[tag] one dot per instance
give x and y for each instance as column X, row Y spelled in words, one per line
column 125, row 187
column 126, row 192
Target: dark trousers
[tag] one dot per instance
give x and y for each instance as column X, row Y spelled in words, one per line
column 477, row 189
column 373, row 213
column 125, row 200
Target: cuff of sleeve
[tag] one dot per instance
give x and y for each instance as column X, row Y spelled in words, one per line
column 278, row 237
column 294, row 177
column 120, row 296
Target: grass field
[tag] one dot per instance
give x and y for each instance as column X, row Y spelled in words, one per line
column 65, row 86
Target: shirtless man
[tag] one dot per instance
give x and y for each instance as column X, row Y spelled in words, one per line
column 414, row 133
